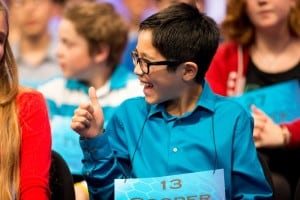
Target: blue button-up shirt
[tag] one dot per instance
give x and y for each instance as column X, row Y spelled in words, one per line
column 143, row 140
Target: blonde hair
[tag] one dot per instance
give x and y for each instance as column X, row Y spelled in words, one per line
column 10, row 136
column 99, row 24
column 237, row 27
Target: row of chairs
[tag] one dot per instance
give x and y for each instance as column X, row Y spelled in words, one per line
column 61, row 179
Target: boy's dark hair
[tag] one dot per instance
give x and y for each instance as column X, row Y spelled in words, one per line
column 182, row 33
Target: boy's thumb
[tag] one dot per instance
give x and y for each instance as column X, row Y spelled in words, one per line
column 93, row 97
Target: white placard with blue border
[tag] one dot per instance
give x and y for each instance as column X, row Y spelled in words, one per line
column 280, row 101
column 205, row 185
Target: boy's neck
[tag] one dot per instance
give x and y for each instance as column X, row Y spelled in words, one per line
column 186, row 102
column 100, row 76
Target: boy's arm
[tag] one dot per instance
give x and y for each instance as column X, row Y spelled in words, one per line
column 249, row 181
column 99, row 167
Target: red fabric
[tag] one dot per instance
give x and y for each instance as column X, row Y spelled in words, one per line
column 224, row 62
column 294, row 128
column 35, row 146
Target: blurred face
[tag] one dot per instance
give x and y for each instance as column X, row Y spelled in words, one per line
column 160, row 85
column 269, row 13
column 3, row 33
column 161, row 4
column 33, row 16
column 72, row 52
column 137, row 7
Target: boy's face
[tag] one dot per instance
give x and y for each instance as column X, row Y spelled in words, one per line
column 32, row 16
column 72, row 52
column 160, row 85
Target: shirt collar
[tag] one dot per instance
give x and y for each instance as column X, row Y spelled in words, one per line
column 207, row 100
column 73, row 84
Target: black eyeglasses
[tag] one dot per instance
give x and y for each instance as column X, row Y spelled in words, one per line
column 145, row 64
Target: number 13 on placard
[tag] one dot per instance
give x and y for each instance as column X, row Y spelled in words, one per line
column 172, row 184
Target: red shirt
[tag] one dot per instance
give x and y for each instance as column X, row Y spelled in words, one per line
column 35, row 146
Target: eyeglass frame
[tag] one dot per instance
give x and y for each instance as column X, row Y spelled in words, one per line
column 137, row 60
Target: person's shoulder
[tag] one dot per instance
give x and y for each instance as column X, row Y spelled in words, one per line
column 54, row 88
column 138, row 101
column 229, row 105
column 227, row 52
column 27, row 93
column 30, row 99
column 30, row 96
column 228, row 46
column 52, row 84
column 134, row 104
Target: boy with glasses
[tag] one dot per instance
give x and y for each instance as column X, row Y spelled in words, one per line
column 180, row 126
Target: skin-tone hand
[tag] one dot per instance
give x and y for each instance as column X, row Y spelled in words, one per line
column 266, row 132
column 88, row 118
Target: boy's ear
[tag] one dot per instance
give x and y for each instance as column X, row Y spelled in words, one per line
column 101, row 54
column 190, row 71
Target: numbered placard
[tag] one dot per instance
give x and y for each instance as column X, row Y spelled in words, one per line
column 207, row 185
column 280, row 101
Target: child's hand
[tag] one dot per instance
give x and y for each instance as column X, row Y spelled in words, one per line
column 88, row 118
column 266, row 132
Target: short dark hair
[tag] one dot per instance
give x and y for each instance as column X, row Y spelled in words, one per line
column 181, row 32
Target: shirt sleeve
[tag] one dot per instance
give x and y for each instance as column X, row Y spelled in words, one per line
column 294, row 129
column 248, row 178
column 101, row 165
column 35, row 147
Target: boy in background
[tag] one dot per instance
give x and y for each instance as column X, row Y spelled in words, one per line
column 92, row 37
column 33, row 43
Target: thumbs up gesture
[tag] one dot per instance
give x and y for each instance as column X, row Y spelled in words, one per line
column 88, row 118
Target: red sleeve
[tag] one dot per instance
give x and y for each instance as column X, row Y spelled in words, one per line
column 35, row 147
column 294, row 129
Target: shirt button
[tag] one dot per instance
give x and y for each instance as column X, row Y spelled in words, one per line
column 175, row 149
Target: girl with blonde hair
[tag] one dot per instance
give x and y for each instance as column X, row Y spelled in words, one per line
column 25, row 137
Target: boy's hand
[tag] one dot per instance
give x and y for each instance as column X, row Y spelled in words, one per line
column 88, row 118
